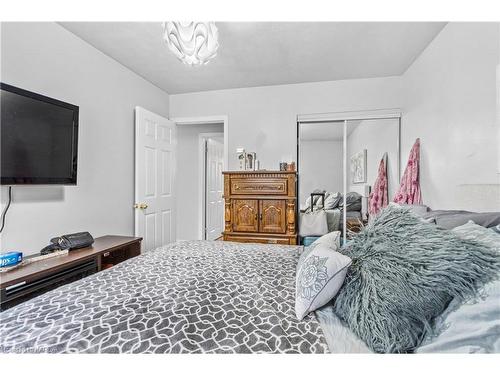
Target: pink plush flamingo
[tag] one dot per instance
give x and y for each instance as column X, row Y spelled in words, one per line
column 378, row 198
column 409, row 189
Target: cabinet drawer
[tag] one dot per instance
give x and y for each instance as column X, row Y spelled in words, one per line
column 278, row 241
column 275, row 186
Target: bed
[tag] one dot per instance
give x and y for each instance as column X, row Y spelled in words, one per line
column 187, row 297
column 224, row 297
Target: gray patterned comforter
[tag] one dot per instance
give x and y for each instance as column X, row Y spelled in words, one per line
column 188, row 297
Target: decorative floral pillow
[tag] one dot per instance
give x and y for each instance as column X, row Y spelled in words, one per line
column 320, row 274
column 332, row 240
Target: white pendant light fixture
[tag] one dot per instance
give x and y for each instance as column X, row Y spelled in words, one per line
column 194, row 43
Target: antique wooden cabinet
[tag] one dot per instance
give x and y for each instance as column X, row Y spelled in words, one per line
column 260, row 207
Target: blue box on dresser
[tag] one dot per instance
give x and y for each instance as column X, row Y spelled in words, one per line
column 11, row 258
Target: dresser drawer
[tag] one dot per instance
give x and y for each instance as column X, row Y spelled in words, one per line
column 278, row 241
column 268, row 186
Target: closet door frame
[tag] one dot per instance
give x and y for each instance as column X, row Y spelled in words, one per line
column 345, row 117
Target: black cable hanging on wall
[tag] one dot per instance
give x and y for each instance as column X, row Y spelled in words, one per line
column 4, row 213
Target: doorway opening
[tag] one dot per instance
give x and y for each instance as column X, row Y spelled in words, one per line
column 201, row 159
column 212, row 165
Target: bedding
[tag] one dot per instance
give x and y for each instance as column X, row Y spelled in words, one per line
column 188, row 297
column 333, row 218
column 449, row 219
column 332, row 200
column 353, row 201
column 339, row 337
column 470, row 326
column 404, row 274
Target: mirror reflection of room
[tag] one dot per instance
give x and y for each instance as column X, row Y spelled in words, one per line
column 372, row 153
column 321, row 177
column 371, row 173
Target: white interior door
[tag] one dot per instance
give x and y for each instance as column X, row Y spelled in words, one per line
column 214, row 205
column 155, row 141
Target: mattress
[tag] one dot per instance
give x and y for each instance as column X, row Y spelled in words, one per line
column 188, row 297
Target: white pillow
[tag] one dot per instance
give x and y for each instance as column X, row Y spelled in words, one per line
column 332, row 201
column 320, row 274
column 331, row 240
column 470, row 326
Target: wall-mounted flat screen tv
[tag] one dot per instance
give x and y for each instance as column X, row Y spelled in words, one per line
column 38, row 138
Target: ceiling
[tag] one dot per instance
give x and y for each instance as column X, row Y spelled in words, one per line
column 265, row 53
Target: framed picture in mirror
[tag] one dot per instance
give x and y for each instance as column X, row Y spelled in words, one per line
column 358, row 167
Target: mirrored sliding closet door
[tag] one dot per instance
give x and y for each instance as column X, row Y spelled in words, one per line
column 351, row 163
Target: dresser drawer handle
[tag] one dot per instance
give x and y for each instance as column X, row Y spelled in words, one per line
column 273, row 241
column 106, row 254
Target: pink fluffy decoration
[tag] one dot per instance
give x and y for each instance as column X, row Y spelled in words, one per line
column 409, row 189
column 378, row 198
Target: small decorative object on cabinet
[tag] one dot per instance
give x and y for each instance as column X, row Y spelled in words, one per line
column 242, row 158
column 260, row 207
column 251, row 156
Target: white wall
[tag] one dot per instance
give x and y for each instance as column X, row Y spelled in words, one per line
column 321, row 165
column 263, row 119
column 450, row 102
column 48, row 59
column 377, row 137
column 448, row 97
column 188, row 191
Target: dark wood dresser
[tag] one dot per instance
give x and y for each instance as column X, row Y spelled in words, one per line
column 260, row 206
column 33, row 279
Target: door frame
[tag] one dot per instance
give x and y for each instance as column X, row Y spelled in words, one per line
column 201, row 120
column 202, row 181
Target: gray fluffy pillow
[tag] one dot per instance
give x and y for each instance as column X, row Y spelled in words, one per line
column 404, row 273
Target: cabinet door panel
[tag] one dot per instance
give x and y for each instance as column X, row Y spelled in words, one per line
column 245, row 213
column 272, row 216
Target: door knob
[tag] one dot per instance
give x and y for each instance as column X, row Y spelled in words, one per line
column 141, row 206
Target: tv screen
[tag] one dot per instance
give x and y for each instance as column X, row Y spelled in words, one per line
column 39, row 138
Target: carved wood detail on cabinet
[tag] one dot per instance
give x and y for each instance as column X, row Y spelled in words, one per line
column 245, row 215
column 260, row 206
column 227, row 215
column 272, row 216
column 290, row 217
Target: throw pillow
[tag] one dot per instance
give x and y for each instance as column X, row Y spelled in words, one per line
column 332, row 240
column 332, row 201
column 320, row 274
column 404, row 273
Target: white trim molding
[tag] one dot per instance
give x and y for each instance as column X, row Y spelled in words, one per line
column 223, row 119
column 350, row 115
